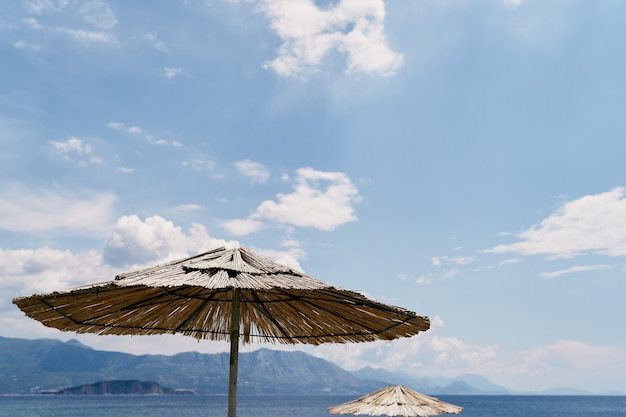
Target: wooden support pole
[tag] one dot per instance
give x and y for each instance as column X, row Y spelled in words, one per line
column 234, row 353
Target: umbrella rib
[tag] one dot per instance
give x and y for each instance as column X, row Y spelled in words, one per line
column 267, row 314
column 60, row 312
column 195, row 313
column 371, row 330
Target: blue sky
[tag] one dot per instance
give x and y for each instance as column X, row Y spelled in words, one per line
column 462, row 159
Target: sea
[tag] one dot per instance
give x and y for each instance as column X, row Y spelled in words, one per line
column 292, row 406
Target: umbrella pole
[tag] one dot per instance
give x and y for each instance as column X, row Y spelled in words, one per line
column 234, row 354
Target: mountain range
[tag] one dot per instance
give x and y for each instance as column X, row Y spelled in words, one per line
column 45, row 365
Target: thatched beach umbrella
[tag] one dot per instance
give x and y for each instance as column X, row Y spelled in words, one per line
column 224, row 294
column 396, row 400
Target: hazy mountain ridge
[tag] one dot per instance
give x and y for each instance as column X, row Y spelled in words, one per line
column 31, row 366
column 44, row 365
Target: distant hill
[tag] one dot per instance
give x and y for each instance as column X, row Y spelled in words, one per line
column 133, row 387
column 48, row 365
column 32, row 366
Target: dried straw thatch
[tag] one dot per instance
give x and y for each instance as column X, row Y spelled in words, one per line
column 194, row 297
column 396, row 400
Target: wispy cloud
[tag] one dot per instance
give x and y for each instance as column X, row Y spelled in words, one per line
column 88, row 35
column 188, row 207
column 27, row 45
column 573, row 269
column 456, row 260
column 593, row 224
column 253, row 170
column 354, row 28
column 322, row 200
column 138, row 131
column 134, row 130
column 97, row 13
column 203, row 165
column 40, row 7
column 156, row 42
column 509, row 261
column 579, row 362
column 172, row 72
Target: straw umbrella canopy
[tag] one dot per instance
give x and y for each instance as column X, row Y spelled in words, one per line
column 396, row 400
column 224, row 294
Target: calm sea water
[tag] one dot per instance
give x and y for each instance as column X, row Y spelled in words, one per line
column 290, row 406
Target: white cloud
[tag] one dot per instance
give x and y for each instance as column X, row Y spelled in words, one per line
column 87, row 35
column 310, row 33
column 98, row 13
column 172, row 72
column 451, row 273
column 138, row 131
column 203, row 165
column 40, row 7
column 72, row 145
column 27, row 271
column 509, row 261
column 242, row 227
column 424, row 279
column 457, row 260
column 427, row 354
column 578, row 363
column 125, row 170
column 253, row 170
column 188, row 207
column 75, row 147
column 572, row 354
column 322, row 200
column 133, row 130
column 593, row 224
column 29, row 209
column 137, row 242
column 289, row 257
column 290, row 243
column 573, row 269
column 156, row 42
column 27, row 45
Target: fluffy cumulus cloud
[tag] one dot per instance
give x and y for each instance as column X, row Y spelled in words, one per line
column 138, row 242
column 354, row 28
column 593, row 224
column 323, row 200
column 29, row 209
column 427, row 354
column 28, row 271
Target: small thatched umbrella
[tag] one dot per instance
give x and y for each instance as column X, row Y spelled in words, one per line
column 396, row 400
column 221, row 295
